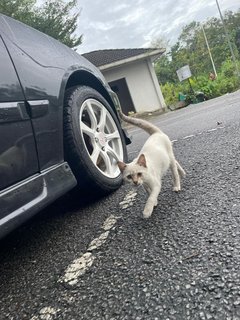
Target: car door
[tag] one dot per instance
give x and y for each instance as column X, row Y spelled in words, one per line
column 39, row 62
column 18, row 155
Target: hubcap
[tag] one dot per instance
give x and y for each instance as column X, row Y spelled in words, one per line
column 101, row 138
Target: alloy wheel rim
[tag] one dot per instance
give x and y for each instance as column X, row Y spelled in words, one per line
column 101, row 137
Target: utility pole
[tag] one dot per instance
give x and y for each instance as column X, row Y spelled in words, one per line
column 228, row 40
column 209, row 51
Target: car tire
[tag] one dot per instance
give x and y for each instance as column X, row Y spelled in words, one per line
column 93, row 140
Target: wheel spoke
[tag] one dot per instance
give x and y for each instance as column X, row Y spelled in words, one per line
column 110, row 151
column 92, row 115
column 86, row 129
column 95, row 154
column 113, row 135
column 108, row 164
column 103, row 118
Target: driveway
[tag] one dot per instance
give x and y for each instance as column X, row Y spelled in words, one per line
column 101, row 260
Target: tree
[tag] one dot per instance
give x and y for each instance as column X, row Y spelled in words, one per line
column 160, row 43
column 55, row 18
column 164, row 70
column 191, row 48
column 163, row 64
column 17, row 9
column 237, row 39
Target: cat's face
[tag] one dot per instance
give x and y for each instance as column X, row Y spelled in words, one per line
column 134, row 172
column 134, row 178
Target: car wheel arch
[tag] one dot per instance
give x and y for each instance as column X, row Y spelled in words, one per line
column 85, row 78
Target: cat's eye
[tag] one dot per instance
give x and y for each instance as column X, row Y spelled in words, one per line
column 139, row 174
column 129, row 177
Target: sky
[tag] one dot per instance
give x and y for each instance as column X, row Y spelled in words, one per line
column 118, row 24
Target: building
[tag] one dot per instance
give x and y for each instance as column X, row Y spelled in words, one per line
column 130, row 73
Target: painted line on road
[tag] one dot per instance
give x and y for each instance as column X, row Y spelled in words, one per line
column 77, row 268
column 110, row 222
column 47, row 313
column 80, row 265
column 98, row 242
column 199, row 133
column 128, row 200
column 190, row 136
column 211, row 130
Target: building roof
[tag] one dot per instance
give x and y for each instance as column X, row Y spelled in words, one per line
column 112, row 57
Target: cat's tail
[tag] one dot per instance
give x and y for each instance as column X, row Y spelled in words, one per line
column 143, row 124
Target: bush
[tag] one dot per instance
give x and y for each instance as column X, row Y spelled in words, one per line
column 226, row 82
column 170, row 93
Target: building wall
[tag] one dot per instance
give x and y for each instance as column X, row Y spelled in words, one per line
column 142, row 84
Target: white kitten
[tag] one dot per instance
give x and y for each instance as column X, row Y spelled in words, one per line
column 154, row 159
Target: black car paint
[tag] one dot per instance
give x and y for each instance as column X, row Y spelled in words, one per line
column 15, row 126
column 35, row 72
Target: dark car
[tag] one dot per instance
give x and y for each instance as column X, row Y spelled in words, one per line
column 58, row 124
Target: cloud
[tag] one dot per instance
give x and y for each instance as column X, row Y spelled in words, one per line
column 131, row 24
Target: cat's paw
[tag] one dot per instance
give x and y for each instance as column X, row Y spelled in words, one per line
column 156, row 203
column 176, row 189
column 147, row 213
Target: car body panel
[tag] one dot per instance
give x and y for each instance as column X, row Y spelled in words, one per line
column 18, row 156
column 23, row 200
column 36, row 71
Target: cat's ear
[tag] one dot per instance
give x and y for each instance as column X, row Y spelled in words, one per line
column 142, row 161
column 121, row 165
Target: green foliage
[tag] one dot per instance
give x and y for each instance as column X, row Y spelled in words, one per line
column 18, row 9
column 162, row 69
column 191, row 49
column 56, row 18
column 170, row 93
column 226, row 82
column 228, row 69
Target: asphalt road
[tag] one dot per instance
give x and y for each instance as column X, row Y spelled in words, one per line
column 101, row 260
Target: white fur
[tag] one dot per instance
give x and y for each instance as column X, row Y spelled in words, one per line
column 158, row 154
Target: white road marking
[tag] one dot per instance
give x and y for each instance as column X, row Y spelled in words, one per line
column 80, row 265
column 210, row 130
column 190, row 136
column 77, row 268
column 110, row 222
column 46, row 313
column 98, row 242
column 199, row 133
column 128, row 200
